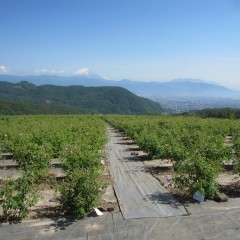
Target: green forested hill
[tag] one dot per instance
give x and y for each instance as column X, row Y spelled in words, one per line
column 26, row 98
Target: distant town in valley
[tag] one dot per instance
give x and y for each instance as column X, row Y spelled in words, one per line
column 186, row 104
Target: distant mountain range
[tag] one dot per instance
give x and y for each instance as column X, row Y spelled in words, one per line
column 27, row 98
column 175, row 88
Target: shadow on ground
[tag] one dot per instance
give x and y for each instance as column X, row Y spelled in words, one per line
column 163, row 198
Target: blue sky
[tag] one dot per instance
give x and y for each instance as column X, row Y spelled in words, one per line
column 146, row 40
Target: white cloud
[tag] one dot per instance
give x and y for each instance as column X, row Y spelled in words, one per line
column 42, row 71
column 83, row 71
column 47, row 71
column 3, row 69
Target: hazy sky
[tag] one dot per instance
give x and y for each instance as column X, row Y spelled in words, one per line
column 147, row 40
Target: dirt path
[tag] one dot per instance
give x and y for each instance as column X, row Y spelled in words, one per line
column 139, row 194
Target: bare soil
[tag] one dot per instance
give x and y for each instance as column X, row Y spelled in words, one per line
column 49, row 204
